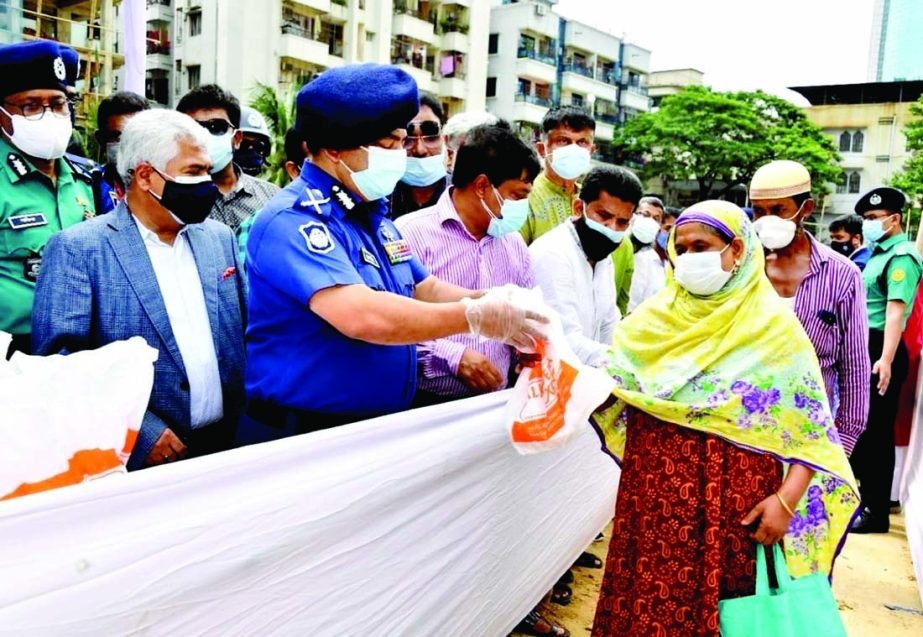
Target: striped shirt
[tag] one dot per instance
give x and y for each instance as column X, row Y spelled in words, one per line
column 440, row 240
column 830, row 303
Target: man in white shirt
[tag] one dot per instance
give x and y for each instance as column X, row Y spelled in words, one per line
column 572, row 265
column 156, row 268
column 650, row 275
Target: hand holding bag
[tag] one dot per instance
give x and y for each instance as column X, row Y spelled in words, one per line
column 802, row 607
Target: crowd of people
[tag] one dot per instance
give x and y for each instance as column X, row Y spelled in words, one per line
column 388, row 274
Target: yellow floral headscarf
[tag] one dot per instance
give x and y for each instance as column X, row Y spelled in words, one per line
column 738, row 365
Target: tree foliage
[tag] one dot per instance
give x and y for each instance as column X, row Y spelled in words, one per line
column 720, row 139
column 279, row 113
column 910, row 178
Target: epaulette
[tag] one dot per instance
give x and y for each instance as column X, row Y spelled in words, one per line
column 313, row 200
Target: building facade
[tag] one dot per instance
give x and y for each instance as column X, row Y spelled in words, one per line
column 285, row 43
column 866, row 122
column 660, row 84
column 537, row 60
column 896, row 51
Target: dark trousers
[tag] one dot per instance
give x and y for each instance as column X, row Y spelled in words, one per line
column 873, row 458
column 263, row 421
column 21, row 343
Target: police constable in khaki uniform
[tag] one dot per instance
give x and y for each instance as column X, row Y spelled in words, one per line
column 891, row 279
column 40, row 192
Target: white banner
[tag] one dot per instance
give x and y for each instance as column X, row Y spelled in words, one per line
column 135, row 43
column 912, row 489
column 421, row 523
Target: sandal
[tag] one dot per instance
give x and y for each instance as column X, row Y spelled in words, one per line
column 567, row 578
column 561, row 594
column 588, row 560
column 535, row 624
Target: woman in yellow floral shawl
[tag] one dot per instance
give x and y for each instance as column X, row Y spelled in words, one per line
column 718, row 390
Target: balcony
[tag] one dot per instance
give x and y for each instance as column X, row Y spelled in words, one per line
column 323, row 6
column 530, row 108
column 635, row 97
column 453, row 87
column 537, row 67
column 454, row 41
column 298, row 44
column 412, row 24
column 604, row 130
column 422, row 77
column 159, row 11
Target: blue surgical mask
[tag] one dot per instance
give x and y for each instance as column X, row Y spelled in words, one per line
column 662, row 237
column 571, row 161
column 385, row 168
column 424, row 171
column 512, row 215
column 873, row 230
column 220, row 151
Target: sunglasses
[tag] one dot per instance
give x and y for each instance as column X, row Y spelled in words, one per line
column 423, row 129
column 216, row 126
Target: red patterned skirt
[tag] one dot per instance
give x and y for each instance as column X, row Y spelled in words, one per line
column 677, row 542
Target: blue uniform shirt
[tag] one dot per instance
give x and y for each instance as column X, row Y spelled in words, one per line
column 314, row 235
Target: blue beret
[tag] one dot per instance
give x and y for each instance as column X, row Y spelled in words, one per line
column 71, row 64
column 25, row 66
column 355, row 105
column 883, row 198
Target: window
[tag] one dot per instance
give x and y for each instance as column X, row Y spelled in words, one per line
column 845, row 142
column 577, row 100
column 491, row 87
column 195, row 23
column 179, row 21
column 493, row 44
column 858, row 140
column 194, row 74
column 525, row 87
column 841, row 184
column 854, row 183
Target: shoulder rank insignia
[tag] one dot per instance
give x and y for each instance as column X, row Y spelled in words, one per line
column 343, row 198
column 313, row 198
column 386, row 233
column 317, row 237
column 17, row 164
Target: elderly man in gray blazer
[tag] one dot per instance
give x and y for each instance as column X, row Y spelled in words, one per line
column 157, row 268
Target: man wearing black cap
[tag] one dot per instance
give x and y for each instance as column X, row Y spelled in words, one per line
column 891, row 279
column 40, row 192
column 337, row 298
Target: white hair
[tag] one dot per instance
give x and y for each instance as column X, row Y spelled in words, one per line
column 458, row 126
column 153, row 137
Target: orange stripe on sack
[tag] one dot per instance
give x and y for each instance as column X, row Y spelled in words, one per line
column 83, row 465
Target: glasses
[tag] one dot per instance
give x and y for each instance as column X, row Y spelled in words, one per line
column 429, row 141
column 36, row 110
column 217, row 126
column 423, row 129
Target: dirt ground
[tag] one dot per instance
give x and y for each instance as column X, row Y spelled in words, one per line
column 872, row 573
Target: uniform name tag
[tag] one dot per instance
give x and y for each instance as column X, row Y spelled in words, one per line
column 21, row 222
column 31, row 267
column 368, row 257
column 398, row 251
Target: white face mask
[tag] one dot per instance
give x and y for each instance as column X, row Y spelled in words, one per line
column 220, row 150
column 644, row 229
column 571, row 161
column 701, row 273
column 424, row 171
column 775, row 232
column 386, row 166
column 46, row 138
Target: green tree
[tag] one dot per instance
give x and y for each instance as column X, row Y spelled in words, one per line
column 279, row 112
column 720, row 139
column 910, row 177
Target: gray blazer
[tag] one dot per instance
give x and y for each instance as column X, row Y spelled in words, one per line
column 97, row 285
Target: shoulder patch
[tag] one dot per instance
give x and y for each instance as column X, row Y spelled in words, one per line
column 317, row 237
column 898, row 275
column 313, row 199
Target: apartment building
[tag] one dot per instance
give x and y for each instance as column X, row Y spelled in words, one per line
column 537, row 59
column 90, row 27
column 661, row 84
column 285, row 43
column 866, row 122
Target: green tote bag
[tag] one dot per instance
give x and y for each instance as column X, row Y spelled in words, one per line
column 802, row 607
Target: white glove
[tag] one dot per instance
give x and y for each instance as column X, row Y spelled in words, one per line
column 496, row 317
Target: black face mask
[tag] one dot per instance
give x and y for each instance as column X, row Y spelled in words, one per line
column 189, row 202
column 250, row 160
column 843, row 247
column 596, row 245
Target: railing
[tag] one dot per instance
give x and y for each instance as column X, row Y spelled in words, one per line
column 608, row 76
column 402, row 8
column 163, row 3
column 637, row 90
column 533, row 99
column 579, row 69
column 452, row 26
column 545, row 58
column 608, row 118
column 301, row 32
column 158, row 48
column 342, row 3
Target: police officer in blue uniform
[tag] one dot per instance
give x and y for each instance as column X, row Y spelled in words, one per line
column 337, row 299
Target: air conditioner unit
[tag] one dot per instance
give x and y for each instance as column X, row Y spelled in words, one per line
column 541, row 9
